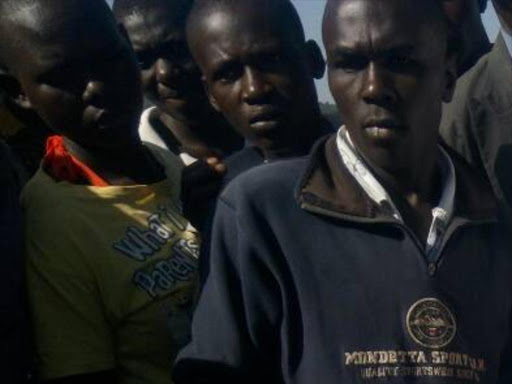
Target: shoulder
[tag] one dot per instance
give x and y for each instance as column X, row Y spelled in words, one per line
column 474, row 83
column 274, row 182
column 241, row 161
column 41, row 190
column 49, row 207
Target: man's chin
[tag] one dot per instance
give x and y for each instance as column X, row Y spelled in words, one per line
column 180, row 110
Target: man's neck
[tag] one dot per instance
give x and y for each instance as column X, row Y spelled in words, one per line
column 129, row 165
column 415, row 192
column 194, row 138
column 316, row 127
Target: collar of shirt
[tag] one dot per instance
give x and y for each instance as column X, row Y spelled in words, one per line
column 441, row 214
column 507, row 36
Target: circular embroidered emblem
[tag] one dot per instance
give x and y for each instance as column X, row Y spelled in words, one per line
column 431, row 324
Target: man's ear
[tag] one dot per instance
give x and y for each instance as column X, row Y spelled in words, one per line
column 450, row 77
column 12, row 89
column 211, row 98
column 315, row 58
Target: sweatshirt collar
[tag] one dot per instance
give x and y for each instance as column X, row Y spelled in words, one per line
column 374, row 189
column 328, row 187
column 441, row 214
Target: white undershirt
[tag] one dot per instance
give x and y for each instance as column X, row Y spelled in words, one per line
column 148, row 134
column 441, row 214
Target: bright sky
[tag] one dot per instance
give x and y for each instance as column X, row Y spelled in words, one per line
column 311, row 12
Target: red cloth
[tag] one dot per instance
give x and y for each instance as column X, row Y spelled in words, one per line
column 63, row 166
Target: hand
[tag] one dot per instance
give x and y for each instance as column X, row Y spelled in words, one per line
column 201, row 183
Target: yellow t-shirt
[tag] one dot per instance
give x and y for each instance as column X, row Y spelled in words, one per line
column 111, row 274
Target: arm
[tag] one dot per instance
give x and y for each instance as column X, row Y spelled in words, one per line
column 236, row 323
column 105, row 377
column 71, row 333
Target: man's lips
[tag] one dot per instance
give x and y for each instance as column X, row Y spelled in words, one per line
column 106, row 119
column 166, row 92
column 265, row 120
column 383, row 129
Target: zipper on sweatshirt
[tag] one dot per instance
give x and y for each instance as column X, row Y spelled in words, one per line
column 432, row 264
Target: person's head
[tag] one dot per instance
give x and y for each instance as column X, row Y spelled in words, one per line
column 170, row 78
column 258, row 68
column 391, row 65
column 458, row 11
column 68, row 61
column 466, row 15
column 504, row 11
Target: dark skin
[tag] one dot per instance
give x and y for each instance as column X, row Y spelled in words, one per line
column 79, row 73
column 465, row 14
column 259, row 75
column 389, row 76
column 504, row 10
column 172, row 80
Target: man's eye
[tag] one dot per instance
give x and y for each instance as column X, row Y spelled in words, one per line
column 401, row 62
column 229, row 74
column 145, row 60
column 145, row 65
column 350, row 64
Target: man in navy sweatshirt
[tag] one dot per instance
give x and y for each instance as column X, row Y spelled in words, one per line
column 380, row 257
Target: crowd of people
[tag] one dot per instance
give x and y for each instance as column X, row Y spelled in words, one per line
column 175, row 208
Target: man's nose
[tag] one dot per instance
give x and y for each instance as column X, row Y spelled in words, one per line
column 255, row 87
column 376, row 89
column 94, row 93
column 166, row 71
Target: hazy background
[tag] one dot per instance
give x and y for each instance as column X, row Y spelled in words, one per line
column 311, row 12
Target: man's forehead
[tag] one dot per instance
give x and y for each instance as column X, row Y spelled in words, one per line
column 383, row 24
column 62, row 41
column 152, row 28
column 58, row 22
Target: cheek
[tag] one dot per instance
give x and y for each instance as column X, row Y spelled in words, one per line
column 456, row 10
column 344, row 91
column 147, row 77
column 59, row 109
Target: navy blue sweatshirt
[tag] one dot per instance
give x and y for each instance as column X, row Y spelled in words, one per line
column 311, row 282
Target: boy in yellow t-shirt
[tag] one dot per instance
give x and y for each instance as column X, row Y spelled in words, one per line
column 111, row 263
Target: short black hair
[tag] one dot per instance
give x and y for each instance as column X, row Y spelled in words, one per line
column 12, row 13
column 283, row 10
column 124, row 8
column 433, row 14
column 8, row 11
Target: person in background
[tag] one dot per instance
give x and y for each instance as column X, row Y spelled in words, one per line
column 380, row 257
column 110, row 261
column 182, row 120
column 478, row 121
column 21, row 129
column 14, row 329
column 466, row 16
column 259, row 71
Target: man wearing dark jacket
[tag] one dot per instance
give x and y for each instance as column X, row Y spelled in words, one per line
column 478, row 122
column 379, row 258
column 259, row 71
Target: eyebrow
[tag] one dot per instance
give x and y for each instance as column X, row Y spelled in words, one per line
column 405, row 49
